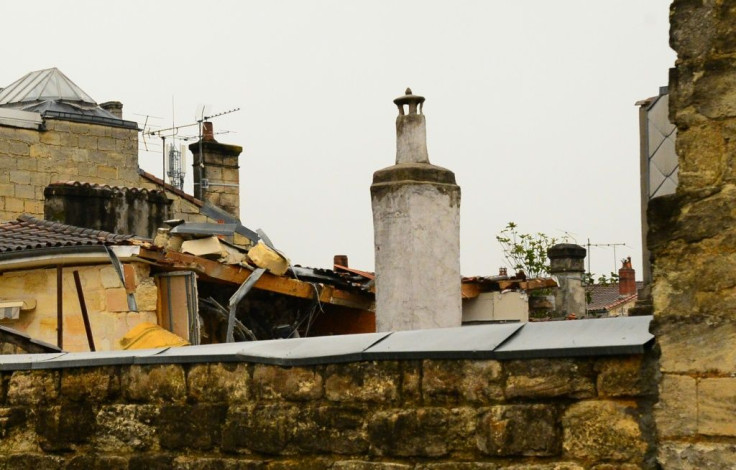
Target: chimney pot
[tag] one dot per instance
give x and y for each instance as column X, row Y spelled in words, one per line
column 208, row 132
column 340, row 260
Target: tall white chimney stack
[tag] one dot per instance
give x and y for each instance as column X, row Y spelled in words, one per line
column 416, row 223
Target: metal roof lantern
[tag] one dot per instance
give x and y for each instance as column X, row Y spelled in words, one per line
column 415, row 103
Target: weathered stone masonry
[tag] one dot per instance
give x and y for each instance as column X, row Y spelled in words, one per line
column 693, row 242
column 591, row 413
column 64, row 151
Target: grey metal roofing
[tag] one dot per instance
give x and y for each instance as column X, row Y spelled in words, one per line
column 43, row 85
column 597, row 337
column 203, row 228
column 52, row 94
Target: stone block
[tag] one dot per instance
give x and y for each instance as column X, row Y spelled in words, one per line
column 216, row 463
column 151, row 462
column 263, row 428
column 7, row 189
column 34, row 208
column 50, row 138
column 88, row 142
column 28, row 164
column 543, row 378
column 330, row 430
column 676, row 411
column 367, row 465
column 25, row 460
column 220, row 382
column 109, row 277
column 24, row 191
column 294, row 383
column 20, row 177
column 627, row 376
column 197, row 426
column 116, row 300
column 61, row 428
column 411, row 381
column 717, row 406
column 505, row 430
column 423, row 432
column 13, row 204
column 603, row 431
column 155, row 384
column 301, row 463
column 363, row 382
column 695, row 343
column 107, row 173
column 106, row 144
column 458, row 466
column 461, row 381
column 68, row 139
column 19, row 149
column 97, row 462
column 126, row 428
column 696, row 456
column 33, row 387
column 96, row 385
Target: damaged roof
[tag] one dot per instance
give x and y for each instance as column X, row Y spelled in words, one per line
column 28, row 233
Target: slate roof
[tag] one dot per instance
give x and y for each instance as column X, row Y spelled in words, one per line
column 607, row 297
column 28, row 233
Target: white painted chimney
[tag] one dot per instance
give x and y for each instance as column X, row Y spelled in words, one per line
column 416, row 223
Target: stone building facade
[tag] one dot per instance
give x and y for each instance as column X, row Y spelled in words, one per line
column 52, row 136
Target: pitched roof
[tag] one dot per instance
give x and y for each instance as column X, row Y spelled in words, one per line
column 28, row 233
column 606, row 297
column 43, row 85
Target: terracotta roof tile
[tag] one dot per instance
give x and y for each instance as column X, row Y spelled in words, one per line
column 606, row 297
column 28, row 233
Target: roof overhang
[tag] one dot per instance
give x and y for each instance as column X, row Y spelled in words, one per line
column 65, row 256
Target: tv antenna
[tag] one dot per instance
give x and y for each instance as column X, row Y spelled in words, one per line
column 614, row 245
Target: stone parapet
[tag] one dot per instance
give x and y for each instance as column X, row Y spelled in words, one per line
column 417, row 414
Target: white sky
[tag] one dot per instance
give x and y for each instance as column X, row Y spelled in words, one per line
column 530, row 103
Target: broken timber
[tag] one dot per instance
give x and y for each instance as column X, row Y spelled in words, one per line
column 233, row 274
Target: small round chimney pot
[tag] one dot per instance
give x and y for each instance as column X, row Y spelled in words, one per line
column 415, row 103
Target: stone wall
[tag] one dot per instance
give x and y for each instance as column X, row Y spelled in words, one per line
column 693, row 241
column 563, row 414
column 105, row 298
column 64, row 151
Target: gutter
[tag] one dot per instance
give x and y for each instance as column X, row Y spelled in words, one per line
column 66, row 256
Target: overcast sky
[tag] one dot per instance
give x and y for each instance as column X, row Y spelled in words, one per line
column 530, row 103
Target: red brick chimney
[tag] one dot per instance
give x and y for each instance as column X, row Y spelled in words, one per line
column 626, row 278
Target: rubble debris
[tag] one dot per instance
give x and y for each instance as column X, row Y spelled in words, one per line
column 264, row 257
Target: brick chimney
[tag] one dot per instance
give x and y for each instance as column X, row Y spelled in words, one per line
column 216, row 177
column 626, row 278
column 416, row 226
column 113, row 107
column 340, row 260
